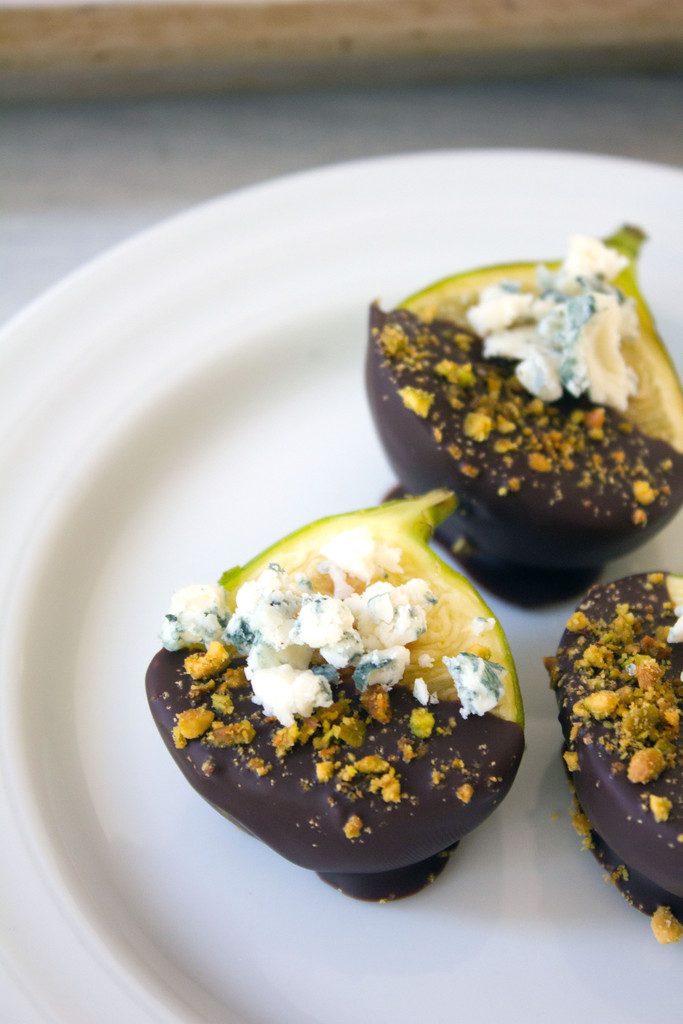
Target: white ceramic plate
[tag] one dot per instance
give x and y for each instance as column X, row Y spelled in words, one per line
column 165, row 413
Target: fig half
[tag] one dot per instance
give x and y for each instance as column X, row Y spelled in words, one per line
column 617, row 677
column 562, row 484
column 372, row 787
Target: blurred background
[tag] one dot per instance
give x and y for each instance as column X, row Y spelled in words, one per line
column 114, row 115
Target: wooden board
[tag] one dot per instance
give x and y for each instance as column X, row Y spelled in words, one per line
column 104, row 48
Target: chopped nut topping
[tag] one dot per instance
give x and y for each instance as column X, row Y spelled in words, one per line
column 353, row 827
column 571, row 759
column 235, row 734
column 539, row 463
column 324, row 771
column 376, row 702
column 372, row 764
column 645, row 765
column 465, row 792
column 210, row 663
column 478, row 426
column 194, row 722
column 258, row 766
column 660, row 807
column 178, row 738
column 665, row 926
column 601, row 704
column 388, row 785
column 578, row 623
column 222, row 703
column 417, row 400
column 421, row 723
column 643, row 492
column 234, row 679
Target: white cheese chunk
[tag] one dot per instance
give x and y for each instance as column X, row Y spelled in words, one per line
column 284, row 692
column 499, row 307
column 589, row 257
column 322, row 621
column 266, row 609
column 385, row 668
column 478, row 682
column 482, row 624
column 264, row 656
column 388, row 616
column 345, row 652
column 358, row 553
column 676, row 632
column 421, row 692
column 197, row 615
column 568, row 338
column 425, row 660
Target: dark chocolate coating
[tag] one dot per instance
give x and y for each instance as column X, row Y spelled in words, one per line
column 552, row 521
column 614, row 805
column 635, row 887
column 303, row 820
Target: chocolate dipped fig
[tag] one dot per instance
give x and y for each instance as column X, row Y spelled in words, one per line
column 617, row 676
column 348, row 698
column 545, row 399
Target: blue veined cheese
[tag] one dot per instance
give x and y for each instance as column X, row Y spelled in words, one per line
column 388, row 616
column 284, row 692
column 342, row 588
column 478, row 682
column 358, row 554
column 499, row 307
column 592, row 360
column 266, row 609
column 264, row 656
column 539, row 374
column 482, row 624
column 421, row 692
column 591, row 258
column 345, row 652
column 322, row 621
column 384, row 667
column 569, row 336
column 197, row 615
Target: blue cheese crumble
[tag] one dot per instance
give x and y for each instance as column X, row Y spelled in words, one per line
column 285, row 628
column 285, row 692
column 567, row 336
column 676, row 632
column 197, row 615
column 478, row 682
column 384, row 668
column 388, row 616
column 421, row 692
column 358, row 554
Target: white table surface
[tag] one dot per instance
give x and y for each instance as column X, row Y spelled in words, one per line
column 77, row 178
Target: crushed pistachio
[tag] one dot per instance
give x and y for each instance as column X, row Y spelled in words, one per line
column 353, row 827
column 209, row 663
column 417, row 400
column 665, row 926
column 421, row 723
column 194, row 722
column 660, row 807
column 235, row 734
column 465, row 792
